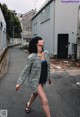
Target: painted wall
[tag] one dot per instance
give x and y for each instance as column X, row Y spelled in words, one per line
column 78, row 41
column 63, row 19
column 3, row 41
column 45, row 29
column 66, row 21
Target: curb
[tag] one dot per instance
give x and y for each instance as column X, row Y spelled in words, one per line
column 4, row 64
column 69, row 71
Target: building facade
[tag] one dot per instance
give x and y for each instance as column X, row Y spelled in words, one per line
column 3, row 40
column 26, row 25
column 78, row 40
column 57, row 23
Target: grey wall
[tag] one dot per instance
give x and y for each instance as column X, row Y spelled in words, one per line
column 46, row 29
column 66, row 19
column 3, row 41
column 63, row 19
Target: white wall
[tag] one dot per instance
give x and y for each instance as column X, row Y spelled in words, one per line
column 63, row 19
column 0, row 39
column 66, row 19
column 3, row 41
column 78, row 41
column 45, row 30
column 14, row 41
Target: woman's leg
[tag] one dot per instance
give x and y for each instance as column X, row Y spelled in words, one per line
column 32, row 98
column 44, row 100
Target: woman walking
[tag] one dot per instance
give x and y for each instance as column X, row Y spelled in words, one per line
column 37, row 73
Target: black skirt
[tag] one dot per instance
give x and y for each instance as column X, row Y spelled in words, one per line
column 43, row 76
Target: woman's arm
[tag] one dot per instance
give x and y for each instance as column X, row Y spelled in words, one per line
column 26, row 71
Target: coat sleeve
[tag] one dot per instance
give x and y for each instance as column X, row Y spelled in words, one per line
column 24, row 74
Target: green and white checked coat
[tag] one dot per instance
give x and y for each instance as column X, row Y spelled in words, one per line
column 32, row 71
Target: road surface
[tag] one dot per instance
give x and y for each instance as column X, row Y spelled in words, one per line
column 63, row 94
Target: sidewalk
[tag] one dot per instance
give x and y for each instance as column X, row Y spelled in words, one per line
column 61, row 65
column 64, row 64
column 69, row 67
column 63, row 94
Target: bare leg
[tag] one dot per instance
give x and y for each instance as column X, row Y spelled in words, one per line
column 32, row 98
column 44, row 100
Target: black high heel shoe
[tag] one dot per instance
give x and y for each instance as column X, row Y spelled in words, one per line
column 28, row 109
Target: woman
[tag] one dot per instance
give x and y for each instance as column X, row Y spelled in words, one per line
column 37, row 73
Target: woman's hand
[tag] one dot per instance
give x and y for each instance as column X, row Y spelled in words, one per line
column 17, row 86
column 49, row 81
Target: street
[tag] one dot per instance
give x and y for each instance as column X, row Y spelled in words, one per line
column 63, row 94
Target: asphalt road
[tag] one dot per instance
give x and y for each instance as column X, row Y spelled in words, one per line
column 63, row 94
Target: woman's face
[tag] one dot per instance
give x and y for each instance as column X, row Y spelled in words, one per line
column 40, row 45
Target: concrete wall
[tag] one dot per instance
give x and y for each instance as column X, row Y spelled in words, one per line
column 26, row 24
column 63, row 19
column 78, row 49
column 15, row 41
column 78, row 41
column 66, row 21
column 45, row 29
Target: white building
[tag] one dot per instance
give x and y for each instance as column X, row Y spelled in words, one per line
column 57, row 23
column 3, row 40
column 78, row 41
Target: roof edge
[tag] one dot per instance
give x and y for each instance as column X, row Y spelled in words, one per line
column 43, row 8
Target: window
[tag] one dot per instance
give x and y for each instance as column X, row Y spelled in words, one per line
column 47, row 12
column 35, row 28
column 45, row 15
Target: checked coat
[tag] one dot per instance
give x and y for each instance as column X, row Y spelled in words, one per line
column 32, row 70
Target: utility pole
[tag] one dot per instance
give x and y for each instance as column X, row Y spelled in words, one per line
column 13, row 34
column 35, row 1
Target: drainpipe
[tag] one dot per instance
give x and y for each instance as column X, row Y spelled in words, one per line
column 79, row 28
column 54, row 30
column 78, row 22
column 2, row 38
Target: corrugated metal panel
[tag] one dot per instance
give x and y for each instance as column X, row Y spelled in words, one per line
column 3, row 41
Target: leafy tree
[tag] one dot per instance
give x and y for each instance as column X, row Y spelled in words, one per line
column 11, row 21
